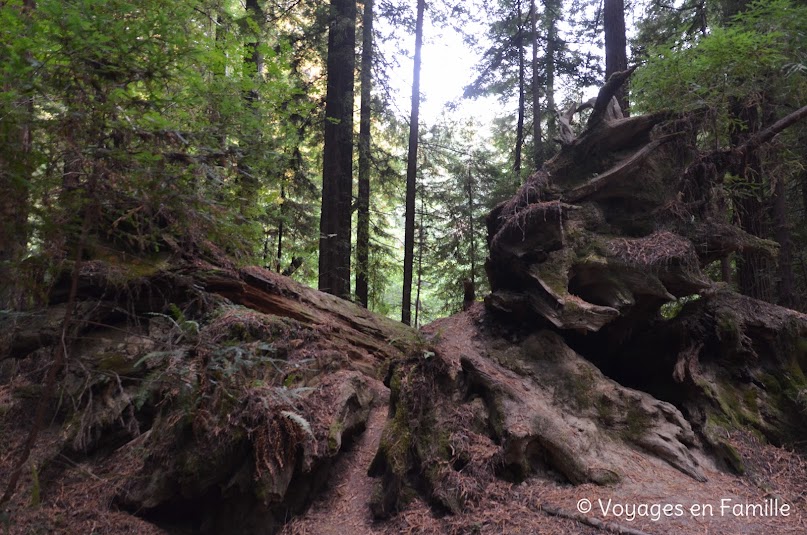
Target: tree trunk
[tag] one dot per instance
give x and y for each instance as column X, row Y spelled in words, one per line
column 247, row 183
column 257, row 16
column 411, row 172
column 281, row 226
column 337, row 156
column 471, row 225
column 551, row 15
column 754, row 267
column 421, row 244
column 616, row 58
column 363, row 204
column 537, row 140
column 520, row 122
column 787, row 283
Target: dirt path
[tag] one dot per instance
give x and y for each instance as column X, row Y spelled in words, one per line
column 343, row 508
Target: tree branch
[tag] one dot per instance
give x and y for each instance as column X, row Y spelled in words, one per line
column 605, row 95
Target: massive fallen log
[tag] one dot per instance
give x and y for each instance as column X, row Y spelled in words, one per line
column 218, row 397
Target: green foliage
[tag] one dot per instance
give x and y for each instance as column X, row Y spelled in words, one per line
column 460, row 181
column 148, row 116
column 673, row 308
column 728, row 63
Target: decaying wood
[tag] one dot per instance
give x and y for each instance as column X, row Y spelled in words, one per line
column 621, row 222
column 603, row 103
column 239, row 384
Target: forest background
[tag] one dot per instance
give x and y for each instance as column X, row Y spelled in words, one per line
column 270, row 133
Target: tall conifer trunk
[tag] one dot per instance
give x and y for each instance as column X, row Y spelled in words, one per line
column 616, row 58
column 363, row 204
column 521, row 90
column 787, row 284
column 538, row 144
column 411, row 172
column 337, row 157
column 754, row 268
column 551, row 15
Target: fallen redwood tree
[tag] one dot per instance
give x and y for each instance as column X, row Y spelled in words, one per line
column 193, row 397
column 572, row 367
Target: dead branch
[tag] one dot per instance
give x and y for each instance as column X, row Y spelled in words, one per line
column 610, row 527
column 605, row 95
column 768, row 134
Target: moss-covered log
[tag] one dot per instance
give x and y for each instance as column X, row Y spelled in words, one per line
column 227, row 393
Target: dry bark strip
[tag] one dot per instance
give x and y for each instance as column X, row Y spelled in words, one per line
column 610, row 527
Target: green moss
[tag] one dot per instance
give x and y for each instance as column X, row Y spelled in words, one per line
column 638, row 422
column 801, row 349
column 751, row 399
column 795, row 373
column 605, row 409
column 731, row 456
column 580, row 387
column 292, row 379
column 714, row 429
column 335, row 436
column 712, row 392
column 771, row 383
column 117, row 363
column 125, row 267
column 36, row 490
column 554, row 272
column 395, row 383
column 396, row 442
column 727, row 328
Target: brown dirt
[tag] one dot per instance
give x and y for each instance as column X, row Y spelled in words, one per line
column 342, row 508
column 74, row 496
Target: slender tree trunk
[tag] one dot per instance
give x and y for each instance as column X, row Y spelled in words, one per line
column 337, row 157
column 471, row 224
column 257, row 15
column 551, row 15
column 281, row 226
column 616, row 58
column 363, row 219
column 804, row 196
column 421, row 244
column 538, row 143
column 787, row 283
column 265, row 256
column 411, row 172
column 753, row 269
column 521, row 91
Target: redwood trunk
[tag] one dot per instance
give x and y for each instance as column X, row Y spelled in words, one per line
column 363, row 204
column 616, row 58
column 520, row 123
column 337, row 157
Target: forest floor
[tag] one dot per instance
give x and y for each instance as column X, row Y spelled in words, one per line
column 75, row 496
